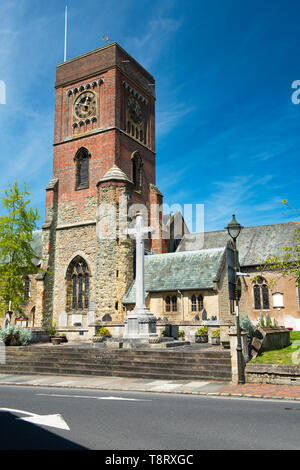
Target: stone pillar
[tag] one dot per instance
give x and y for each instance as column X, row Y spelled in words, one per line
column 233, row 349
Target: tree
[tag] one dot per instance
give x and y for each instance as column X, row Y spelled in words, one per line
column 289, row 261
column 16, row 253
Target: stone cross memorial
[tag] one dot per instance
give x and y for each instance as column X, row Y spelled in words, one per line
column 140, row 324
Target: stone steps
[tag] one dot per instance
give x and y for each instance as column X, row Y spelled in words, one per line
column 57, row 360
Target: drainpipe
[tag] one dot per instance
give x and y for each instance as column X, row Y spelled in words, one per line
column 182, row 307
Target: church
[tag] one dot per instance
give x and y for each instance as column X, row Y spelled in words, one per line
column 103, row 173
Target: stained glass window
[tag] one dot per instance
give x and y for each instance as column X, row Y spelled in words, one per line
column 168, row 304
column 78, row 285
column 174, row 304
column 194, row 303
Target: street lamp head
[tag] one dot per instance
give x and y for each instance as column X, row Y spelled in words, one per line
column 234, row 228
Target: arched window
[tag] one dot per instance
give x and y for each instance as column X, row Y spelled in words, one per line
column 168, row 304
column 261, row 295
column 194, row 303
column 200, row 303
column 82, row 159
column 174, row 304
column 78, row 283
column 137, row 164
column 197, row 303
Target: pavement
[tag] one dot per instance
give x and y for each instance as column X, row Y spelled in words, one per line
column 221, row 389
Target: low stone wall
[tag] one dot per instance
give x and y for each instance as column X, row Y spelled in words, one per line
column 39, row 335
column 76, row 333
column 117, row 328
column 273, row 374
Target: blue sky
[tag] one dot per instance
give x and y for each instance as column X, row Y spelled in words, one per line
column 228, row 134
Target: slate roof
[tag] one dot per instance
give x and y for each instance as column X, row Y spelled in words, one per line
column 180, row 271
column 254, row 243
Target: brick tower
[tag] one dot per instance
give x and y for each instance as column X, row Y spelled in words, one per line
column 104, row 121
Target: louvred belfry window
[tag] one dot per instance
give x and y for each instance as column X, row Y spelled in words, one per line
column 82, row 159
column 78, row 283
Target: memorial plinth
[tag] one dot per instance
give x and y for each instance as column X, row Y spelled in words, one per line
column 140, row 324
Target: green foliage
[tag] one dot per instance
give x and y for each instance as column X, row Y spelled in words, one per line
column 51, row 331
column 15, row 335
column 246, row 325
column 216, row 333
column 16, row 253
column 261, row 321
column 202, row 331
column 281, row 356
column 163, row 333
column 268, row 321
column 181, row 334
column 104, row 332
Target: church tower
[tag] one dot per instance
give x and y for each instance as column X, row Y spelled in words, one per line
column 104, row 148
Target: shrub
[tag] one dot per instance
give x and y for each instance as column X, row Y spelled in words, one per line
column 163, row 333
column 181, row 334
column 15, row 336
column 104, row 332
column 246, row 325
column 216, row 333
column 268, row 321
column 202, row 331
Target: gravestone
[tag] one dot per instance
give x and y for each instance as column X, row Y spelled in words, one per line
column 63, row 319
column 90, row 318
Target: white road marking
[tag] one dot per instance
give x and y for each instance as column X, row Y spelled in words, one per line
column 84, row 396
column 54, row 421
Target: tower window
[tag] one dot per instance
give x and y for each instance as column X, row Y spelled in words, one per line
column 78, row 287
column 136, row 170
column 81, row 159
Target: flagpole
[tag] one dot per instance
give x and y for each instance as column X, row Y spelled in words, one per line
column 66, row 27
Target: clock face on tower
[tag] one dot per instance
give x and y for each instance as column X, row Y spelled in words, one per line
column 85, row 104
column 135, row 111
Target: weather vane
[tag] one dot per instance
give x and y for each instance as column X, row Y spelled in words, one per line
column 106, row 38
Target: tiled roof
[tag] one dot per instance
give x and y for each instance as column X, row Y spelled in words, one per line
column 180, row 271
column 254, row 243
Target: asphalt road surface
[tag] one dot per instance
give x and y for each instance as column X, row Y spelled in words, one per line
column 40, row 418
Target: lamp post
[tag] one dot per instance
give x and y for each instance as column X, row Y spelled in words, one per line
column 234, row 229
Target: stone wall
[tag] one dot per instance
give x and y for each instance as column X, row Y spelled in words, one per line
column 114, row 265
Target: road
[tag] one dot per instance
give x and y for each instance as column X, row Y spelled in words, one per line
column 143, row 421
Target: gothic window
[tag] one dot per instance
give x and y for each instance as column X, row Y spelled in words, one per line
column 78, row 279
column 261, row 295
column 174, row 304
column 137, row 164
column 194, row 303
column 82, row 159
column 168, row 304
column 197, row 303
column 200, row 303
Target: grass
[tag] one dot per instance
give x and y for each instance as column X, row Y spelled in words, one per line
column 281, row 356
